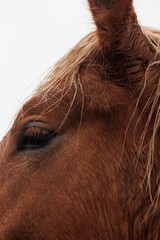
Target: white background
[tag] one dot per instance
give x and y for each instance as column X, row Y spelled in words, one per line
column 34, row 34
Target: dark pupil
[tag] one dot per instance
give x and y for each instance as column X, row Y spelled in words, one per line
column 35, row 138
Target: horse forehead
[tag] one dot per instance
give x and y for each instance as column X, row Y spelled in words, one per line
column 38, row 109
column 2, row 142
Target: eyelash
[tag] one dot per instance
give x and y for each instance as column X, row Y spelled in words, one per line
column 35, row 138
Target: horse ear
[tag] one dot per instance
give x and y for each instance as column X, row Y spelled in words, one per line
column 117, row 27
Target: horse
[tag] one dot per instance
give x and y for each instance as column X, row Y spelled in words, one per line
column 82, row 158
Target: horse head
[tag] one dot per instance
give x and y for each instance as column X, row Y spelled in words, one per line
column 81, row 160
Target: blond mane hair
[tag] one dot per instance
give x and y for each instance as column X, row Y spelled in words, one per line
column 67, row 69
column 69, row 65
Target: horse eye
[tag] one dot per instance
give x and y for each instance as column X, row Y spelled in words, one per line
column 34, row 138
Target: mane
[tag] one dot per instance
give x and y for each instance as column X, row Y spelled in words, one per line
column 67, row 69
column 153, row 37
column 87, row 48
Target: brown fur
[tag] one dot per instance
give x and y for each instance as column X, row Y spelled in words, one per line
column 98, row 176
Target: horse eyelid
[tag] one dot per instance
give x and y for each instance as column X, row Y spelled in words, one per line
column 34, row 137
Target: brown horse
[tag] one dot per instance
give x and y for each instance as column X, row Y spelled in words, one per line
column 82, row 159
